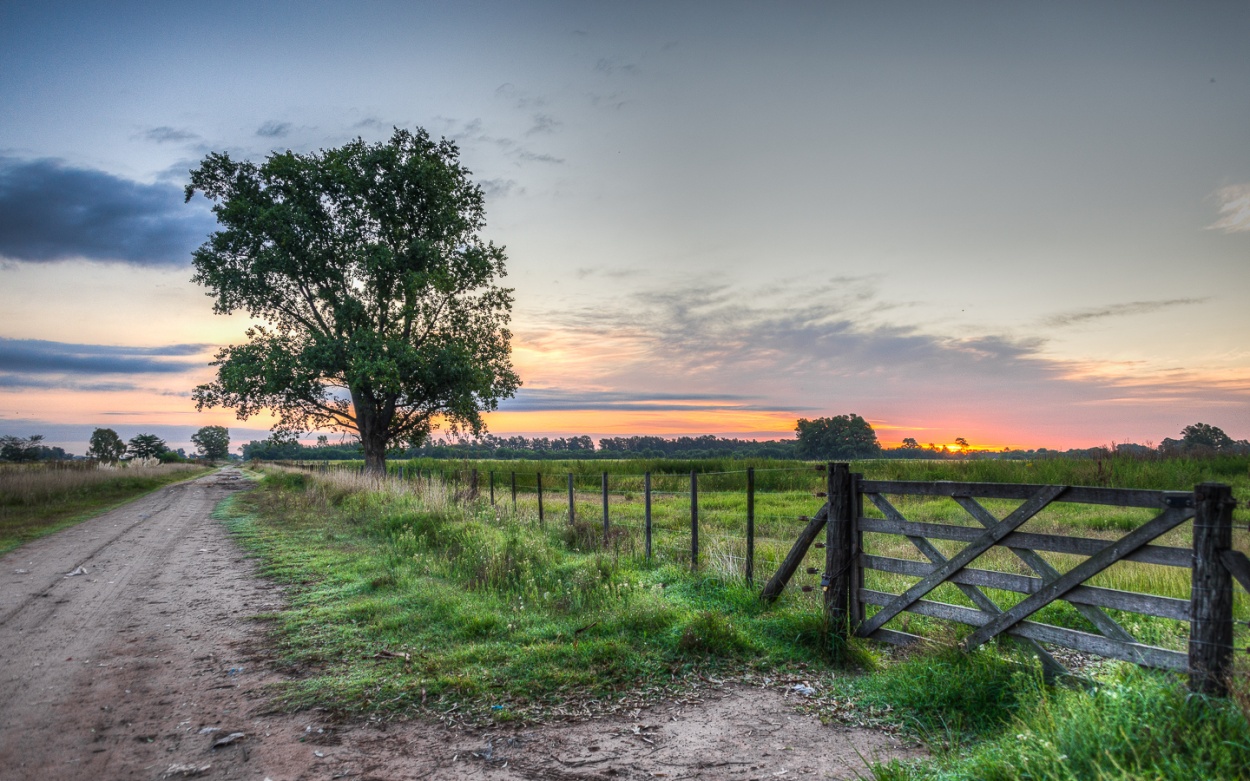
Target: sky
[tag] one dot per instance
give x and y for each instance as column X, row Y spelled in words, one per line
column 1024, row 224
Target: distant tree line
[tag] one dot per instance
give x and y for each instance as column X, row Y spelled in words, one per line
column 106, row 446
column 822, row 439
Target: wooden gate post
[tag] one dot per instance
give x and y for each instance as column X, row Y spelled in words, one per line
column 1211, row 597
column 839, row 555
column 492, row 488
column 539, row 477
column 572, row 506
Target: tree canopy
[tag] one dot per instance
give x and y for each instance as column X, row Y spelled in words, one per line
column 841, row 436
column 106, row 446
column 378, row 295
column 146, row 446
column 213, row 442
column 21, row 449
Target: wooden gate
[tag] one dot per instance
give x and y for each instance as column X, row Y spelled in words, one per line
column 1211, row 558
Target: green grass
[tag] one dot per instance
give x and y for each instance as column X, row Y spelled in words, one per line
column 37, row 500
column 499, row 616
column 1131, row 725
column 406, row 601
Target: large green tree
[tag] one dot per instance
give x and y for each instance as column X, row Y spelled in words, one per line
column 106, row 446
column 841, row 436
column 213, row 442
column 378, row 297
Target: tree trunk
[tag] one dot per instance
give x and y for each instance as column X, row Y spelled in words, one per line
column 374, row 444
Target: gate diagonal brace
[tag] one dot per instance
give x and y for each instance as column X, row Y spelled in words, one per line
column 1031, row 506
column 1051, row 666
column 1105, row 623
column 1114, row 551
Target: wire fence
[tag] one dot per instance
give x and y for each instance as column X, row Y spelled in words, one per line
column 738, row 523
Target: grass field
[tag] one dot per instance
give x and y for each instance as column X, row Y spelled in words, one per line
column 39, row 499
column 408, row 601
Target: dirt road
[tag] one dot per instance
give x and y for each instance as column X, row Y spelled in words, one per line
column 128, row 650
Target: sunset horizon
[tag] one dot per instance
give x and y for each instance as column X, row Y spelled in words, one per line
column 1026, row 227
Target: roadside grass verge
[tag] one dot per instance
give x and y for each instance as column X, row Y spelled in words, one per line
column 37, row 500
column 405, row 602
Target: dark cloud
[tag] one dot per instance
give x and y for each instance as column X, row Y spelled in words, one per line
column 166, row 134
column 274, row 129
column 25, row 357
column 52, row 212
column 1079, row 316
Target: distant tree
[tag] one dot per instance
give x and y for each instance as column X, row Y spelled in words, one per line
column 106, row 446
column 213, row 442
column 1202, row 435
column 963, row 443
column 378, row 292
column 841, row 436
column 910, row 443
column 20, row 449
column 146, row 446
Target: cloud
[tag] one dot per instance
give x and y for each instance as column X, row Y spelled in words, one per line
column 22, row 357
column 1234, row 209
column 166, row 134
column 19, row 381
column 1079, row 316
column 545, row 124
column 500, row 188
column 274, row 129
column 553, row 399
column 613, row 65
column 51, row 212
column 526, row 156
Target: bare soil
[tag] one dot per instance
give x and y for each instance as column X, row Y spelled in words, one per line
column 131, row 649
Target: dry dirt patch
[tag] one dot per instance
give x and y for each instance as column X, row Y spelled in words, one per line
column 147, row 664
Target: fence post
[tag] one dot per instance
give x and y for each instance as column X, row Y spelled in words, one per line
column 572, row 507
column 857, row 547
column 514, row 492
column 492, row 488
column 473, row 487
column 838, row 553
column 646, row 490
column 605, row 511
column 539, row 475
column 750, row 565
column 694, row 520
column 1211, row 596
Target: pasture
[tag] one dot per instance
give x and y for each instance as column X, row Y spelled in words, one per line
column 412, row 598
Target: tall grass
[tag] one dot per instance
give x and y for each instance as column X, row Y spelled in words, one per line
column 38, row 499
